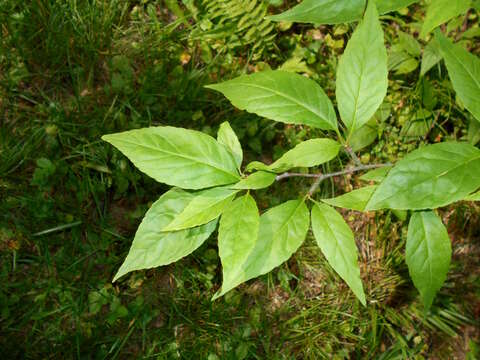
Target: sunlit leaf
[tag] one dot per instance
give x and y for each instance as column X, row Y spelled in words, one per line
column 205, row 206
column 179, row 157
column 336, row 241
column 430, row 177
column 362, row 74
column 355, row 200
column 151, row 247
column 237, row 237
column 281, row 96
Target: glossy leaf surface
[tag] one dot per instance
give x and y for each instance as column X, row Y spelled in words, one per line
column 308, row 153
column 336, row 241
column 323, row 12
column 281, row 231
column 428, row 254
column 362, row 73
column 255, row 181
column 179, row 157
column 430, row 177
column 151, row 247
column 226, row 136
column 205, row 206
column 237, row 237
column 281, row 96
column 355, row 200
column 335, row 11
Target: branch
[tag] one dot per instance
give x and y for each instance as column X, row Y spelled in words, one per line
column 320, row 177
column 352, row 154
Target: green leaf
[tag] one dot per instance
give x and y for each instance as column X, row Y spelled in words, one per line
column 376, row 175
column 364, row 136
column 473, row 131
column 419, row 125
column 428, row 254
column 151, row 247
column 473, row 197
column 307, row 154
column 335, row 11
column 257, row 165
column 237, row 237
column 226, row 136
column 282, row 230
column 362, row 75
column 440, row 11
column 323, row 12
column 431, row 56
column 409, row 44
column 464, row 71
column 386, row 6
column 430, row 177
column 336, row 241
column 255, row 181
column 354, row 200
column 281, row 96
column 205, row 206
column 179, row 157
column 401, row 62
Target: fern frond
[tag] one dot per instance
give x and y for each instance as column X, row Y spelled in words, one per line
column 233, row 24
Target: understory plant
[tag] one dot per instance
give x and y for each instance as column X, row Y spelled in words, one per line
column 211, row 187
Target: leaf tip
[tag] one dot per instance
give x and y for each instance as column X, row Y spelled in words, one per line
column 211, row 86
column 217, row 295
column 118, row 275
column 106, row 137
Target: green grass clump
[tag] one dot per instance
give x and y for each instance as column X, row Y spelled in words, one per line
column 71, row 71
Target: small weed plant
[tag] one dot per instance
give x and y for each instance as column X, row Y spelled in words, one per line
column 211, row 187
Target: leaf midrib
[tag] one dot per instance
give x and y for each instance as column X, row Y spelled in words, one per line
column 337, row 247
column 305, row 11
column 428, row 179
column 476, row 81
column 175, row 227
column 427, row 249
column 180, row 156
column 286, row 96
